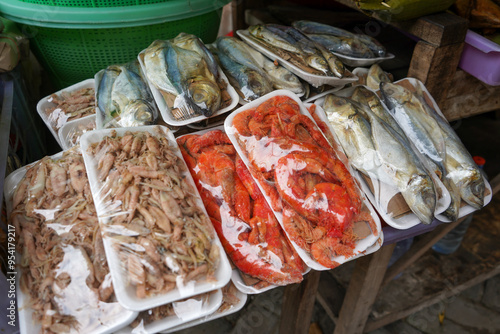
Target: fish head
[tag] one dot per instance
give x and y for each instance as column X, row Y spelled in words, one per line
column 340, row 105
column 256, row 30
column 472, row 190
column 421, row 197
column 205, row 94
column 317, row 62
column 394, row 94
column 138, row 112
column 258, row 84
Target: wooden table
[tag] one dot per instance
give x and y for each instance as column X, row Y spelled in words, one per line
column 440, row 40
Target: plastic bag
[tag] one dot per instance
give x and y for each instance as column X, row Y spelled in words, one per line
column 239, row 212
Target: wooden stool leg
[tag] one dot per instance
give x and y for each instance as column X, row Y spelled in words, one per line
column 298, row 305
column 362, row 291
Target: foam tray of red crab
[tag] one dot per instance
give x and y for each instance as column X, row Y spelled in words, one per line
column 243, row 220
column 312, row 193
column 157, row 235
column 63, row 281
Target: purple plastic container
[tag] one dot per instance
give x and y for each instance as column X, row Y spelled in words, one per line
column 481, row 58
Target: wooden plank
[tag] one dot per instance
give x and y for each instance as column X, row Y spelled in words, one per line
column 418, row 249
column 438, row 29
column 469, row 96
column 428, row 301
column 330, row 295
column 298, row 305
column 435, row 67
column 495, row 184
column 362, row 291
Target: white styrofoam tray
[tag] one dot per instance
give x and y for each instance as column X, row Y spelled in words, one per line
column 45, row 103
column 69, row 127
column 165, row 110
column 216, row 315
column 235, row 274
column 387, row 191
column 361, row 245
column 186, row 311
column 466, row 209
column 126, row 293
column 313, row 79
column 122, row 317
column 355, row 62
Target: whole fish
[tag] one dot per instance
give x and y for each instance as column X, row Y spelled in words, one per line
column 251, row 83
column 422, row 130
column 460, row 167
column 281, row 41
column 237, row 51
column 374, row 45
column 311, row 55
column 277, row 36
column 392, row 160
column 132, row 99
column 366, row 97
column 375, row 76
column 189, row 73
column 351, row 47
column 194, row 43
column 156, row 67
column 105, row 87
column 280, row 77
column 311, row 27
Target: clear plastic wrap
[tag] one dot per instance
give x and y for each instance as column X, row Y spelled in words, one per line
column 392, row 175
column 250, row 72
column 70, row 133
column 123, row 97
column 420, row 118
column 185, row 80
column 352, row 49
column 313, row 78
column 157, row 235
column 312, row 193
column 65, row 284
column 233, row 300
column 173, row 315
column 67, row 105
column 244, row 222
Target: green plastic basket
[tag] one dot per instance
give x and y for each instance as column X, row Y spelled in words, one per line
column 75, row 43
column 93, row 3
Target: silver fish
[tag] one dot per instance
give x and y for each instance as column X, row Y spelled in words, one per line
column 460, row 167
column 311, row 27
column 189, row 73
column 251, row 83
column 194, row 43
column 392, row 161
column 156, row 67
column 106, row 79
column 280, row 76
column 131, row 97
column 366, row 97
column 281, row 41
column 351, row 47
column 422, row 130
column 374, row 45
column 375, row 76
